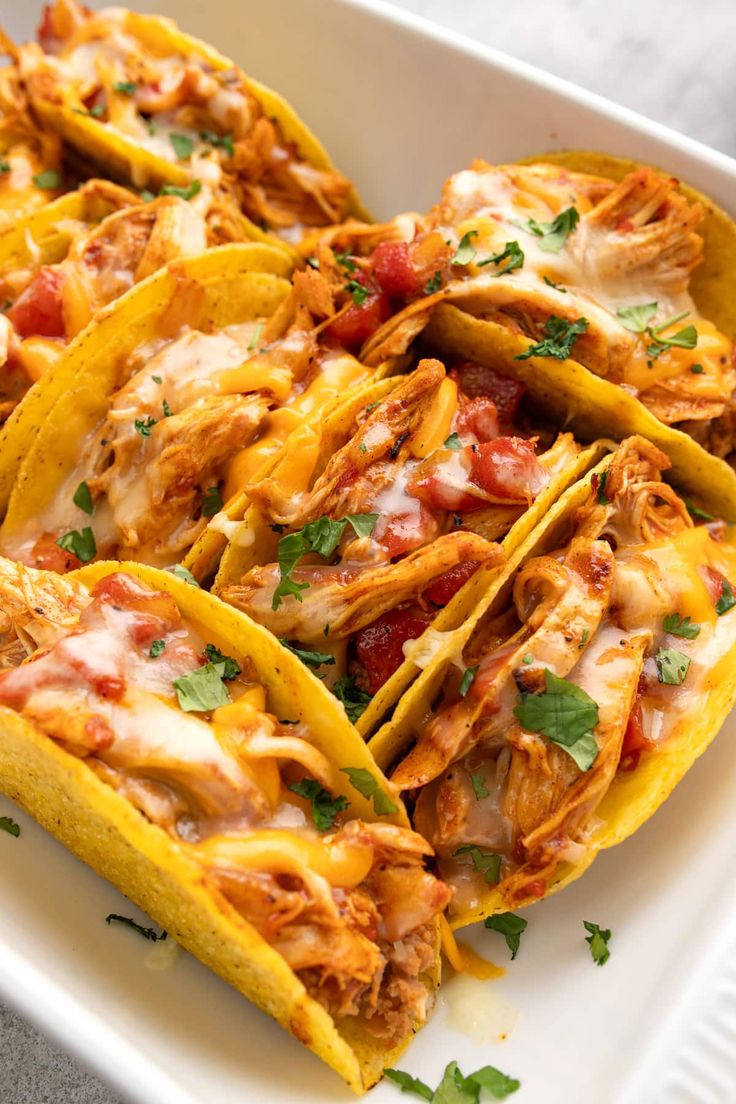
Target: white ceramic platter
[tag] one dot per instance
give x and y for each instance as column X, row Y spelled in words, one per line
column 401, row 105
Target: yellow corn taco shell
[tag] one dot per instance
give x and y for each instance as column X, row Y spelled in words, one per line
column 634, row 795
column 126, row 159
column 307, row 451
column 590, row 405
column 39, row 442
column 101, row 827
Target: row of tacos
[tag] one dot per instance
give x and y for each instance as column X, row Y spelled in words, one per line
column 290, row 500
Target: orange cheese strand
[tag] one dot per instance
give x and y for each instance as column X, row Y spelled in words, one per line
column 272, row 849
column 464, row 960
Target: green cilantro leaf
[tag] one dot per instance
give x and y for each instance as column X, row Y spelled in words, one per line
column 552, row 235
column 563, row 713
column 498, row 1084
column 409, row 1084
column 727, row 599
column 598, row 942
column 433, row 284
column 479, row 786
column 82, row 545
column 211, row 501
column 166, row 409
column 637, row 319
column 157, row 379
column 465, row 251
column 600, row 488
column 345, row 261
column 147, row 933
column 158, row 647
column 147, row 196
column 552, row 284
column 358, row 291
column 219, row 141
column 583, row 639
column 467, row 680
column 354, row 701
column 202, row 690
column 527, row 659
column 4, row 167
column 697, row 369
column 321, row 537
column 681, row 626
column 256, row 338
column 453, row 442
column 49, row 179
column 183, row 145
column 144, row 425
column 7, row 824
column 512, row 253
column 368, row 785
column 559, row 338
column 510, row 926
column 125, row 88
column 488, row 863
column 310, row 659
column 188, row 191
column 672, row 666
column 83, row 499
column 696, row 512
column 325, row 807
column 183, row 573
column 227, row 667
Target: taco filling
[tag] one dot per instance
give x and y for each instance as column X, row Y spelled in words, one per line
column 30, row 160
column 115, row 676
column 397, row 520
column 192, row 417
column 182, row 103
column 604, row 647
column 578, row 266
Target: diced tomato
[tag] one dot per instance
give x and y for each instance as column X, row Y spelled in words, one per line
column 38, row 311
column 393, row 271
column 478, row 416
column 508, row 468
column 439, row 483
column 45, row 32
column 447, row 585
column 380, row 644
column 475, row 380
column 358, row 323
column 155, row 612
column 635, row 741
column 49, row 557
column 401, row 533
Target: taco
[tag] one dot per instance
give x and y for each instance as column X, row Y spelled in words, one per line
column 578, row 693
column 61, row 265
column 377, row 529
column 157, row 107
column 180, row 751
column 579, row 286
column 30, row 160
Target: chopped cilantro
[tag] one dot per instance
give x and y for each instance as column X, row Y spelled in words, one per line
column 345, row 261
column 697, row 369
column 565, row 714
column 157, row 379
column 487, row 863
column 354, row 700
column 125, row 88
column 727, row 599
column 479, row 786
column 433, row 284
column 211, row 501
column 552, row 235
column 696, row 512
column 310, row 659
column 227, row 667
column 82, row 545
column 672, row 666
column 322, row 537
column 637, row 319
column 600, row 488
column 465, row 251
column 201, row 690
column 681, row 626
column 83, row 499
column 48, row 179
column 368, row 785
column 552, row 284
column 583, row 639
column 219, row 141
column 7, row 824
column 183, row 145
column 358, row 291
column 510, row 926
column 325, row 807
column 144, row 425
column 512, row 253
column 188, row 191
column 157, row 648
column 598, row 941
column 453, row 442
column 559, row 338
column 183, row 573
column 166, row 409
column 467, row 680
column 456, row 1089
column 255, row 339
column 4, row 166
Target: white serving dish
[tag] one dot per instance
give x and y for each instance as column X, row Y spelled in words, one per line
column 401, row 104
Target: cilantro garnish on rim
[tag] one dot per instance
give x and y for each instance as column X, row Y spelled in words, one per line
column 454, row 1088
column 510, row 926
column 354, row 700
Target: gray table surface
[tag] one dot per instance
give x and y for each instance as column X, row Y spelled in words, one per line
column 668, row 59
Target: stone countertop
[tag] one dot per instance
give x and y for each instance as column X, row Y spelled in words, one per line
column 656, row 56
